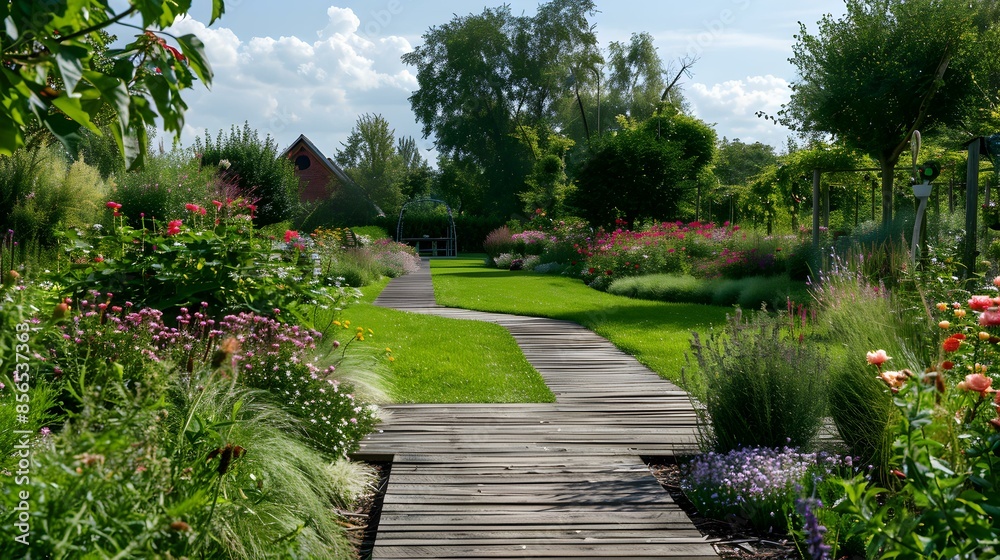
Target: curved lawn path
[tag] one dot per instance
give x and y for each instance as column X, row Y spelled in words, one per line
column 562, row 480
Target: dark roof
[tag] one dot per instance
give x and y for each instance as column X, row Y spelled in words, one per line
column 329, row 163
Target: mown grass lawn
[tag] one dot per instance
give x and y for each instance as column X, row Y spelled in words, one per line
column 441, row 360
column 657, row 334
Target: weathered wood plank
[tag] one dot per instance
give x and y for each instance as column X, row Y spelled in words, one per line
column 552, row 480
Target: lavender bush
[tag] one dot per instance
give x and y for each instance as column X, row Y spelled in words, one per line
column 760, row 386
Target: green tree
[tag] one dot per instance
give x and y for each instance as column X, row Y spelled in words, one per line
column 369, row 157
column 485, row 80
column 459, row 183
column 737, row 162
column 51, row 78
column 548, row 187
column 262, row 176
column 645, row 170
column 883, row 70
column 417, row 174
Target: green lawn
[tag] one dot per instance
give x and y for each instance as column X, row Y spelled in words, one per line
column 440, row 360
column 656, row 333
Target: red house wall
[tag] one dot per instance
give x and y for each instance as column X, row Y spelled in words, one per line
column 316, row 182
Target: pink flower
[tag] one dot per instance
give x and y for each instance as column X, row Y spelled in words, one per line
column 113, row 205
column 878, row 357
column 290, row 235
column 980, row 303
column 977, row 383
column 191, row 207
column 990, row 317
column 174, row 227
column 217, row 204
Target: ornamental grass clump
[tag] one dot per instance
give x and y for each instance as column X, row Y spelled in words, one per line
column 861, row 314
column 757, row 485
column 498, row 241
column 759, row 386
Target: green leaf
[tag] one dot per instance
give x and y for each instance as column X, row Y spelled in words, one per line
column 194, row 49
column 113, row 91
column 66, row 130
column 68, row 60
column 11, row 28
column 70, row 106
column 942, row 466
column 218, row 8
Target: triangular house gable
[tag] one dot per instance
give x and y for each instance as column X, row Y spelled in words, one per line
column 319, row 177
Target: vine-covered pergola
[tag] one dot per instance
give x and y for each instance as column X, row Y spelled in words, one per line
column 976, row 147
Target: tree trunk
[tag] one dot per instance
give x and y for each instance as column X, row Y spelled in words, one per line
column 888, row 167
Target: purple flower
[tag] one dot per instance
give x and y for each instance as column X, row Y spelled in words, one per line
column 815, row 546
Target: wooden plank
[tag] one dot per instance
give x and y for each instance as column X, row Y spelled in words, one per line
column 546, row 480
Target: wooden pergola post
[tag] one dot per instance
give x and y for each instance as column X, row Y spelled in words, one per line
column 816, row 176
column 971, row 206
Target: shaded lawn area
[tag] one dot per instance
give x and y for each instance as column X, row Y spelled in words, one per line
column 658, row 334
column 442, row 360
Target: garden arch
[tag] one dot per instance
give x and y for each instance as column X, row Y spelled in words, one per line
column 439, row 243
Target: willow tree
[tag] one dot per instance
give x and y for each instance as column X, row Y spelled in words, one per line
column 883, row 70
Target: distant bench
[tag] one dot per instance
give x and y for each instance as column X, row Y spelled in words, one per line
column 432, row 246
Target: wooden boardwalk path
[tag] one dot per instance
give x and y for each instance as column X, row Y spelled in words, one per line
column 556, row 480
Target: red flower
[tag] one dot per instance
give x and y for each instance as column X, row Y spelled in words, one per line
column 174, row 227
column 947, row 365
column 98, row 259
column 113, row 205
column 951, row 344
column 290, row 235
column 191, row 207
column 592, row 270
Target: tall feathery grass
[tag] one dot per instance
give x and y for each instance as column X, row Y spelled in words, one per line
column 860, row 317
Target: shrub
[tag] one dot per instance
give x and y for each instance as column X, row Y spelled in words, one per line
column 531, row 242
column 726, row 293
column 504, row 260
column 40, row 192
column 208, row 471
column 772, row 291
column 664, row 287
column 758, row 388
column 499, row 241
column 164, row 184
column 755, row 485
column 255, row 165
column 186, row 262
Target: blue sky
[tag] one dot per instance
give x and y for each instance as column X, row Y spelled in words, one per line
column 312, row 67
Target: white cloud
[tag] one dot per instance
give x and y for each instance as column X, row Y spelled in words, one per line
column 287, row 86
column 736, row 102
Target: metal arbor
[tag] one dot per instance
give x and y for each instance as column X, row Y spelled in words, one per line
column 443, row 244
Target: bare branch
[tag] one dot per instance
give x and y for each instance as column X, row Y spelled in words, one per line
column 686, row 64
